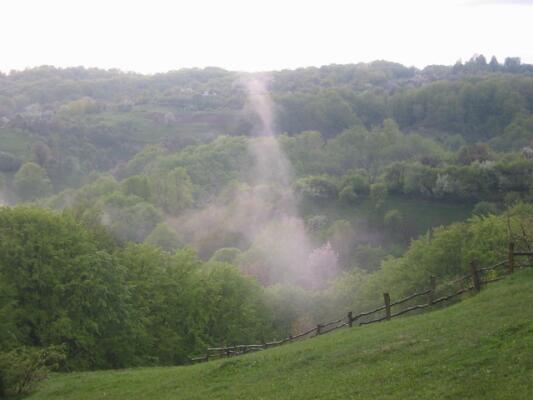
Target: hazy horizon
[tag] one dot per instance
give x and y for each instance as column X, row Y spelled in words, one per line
column 160, row 36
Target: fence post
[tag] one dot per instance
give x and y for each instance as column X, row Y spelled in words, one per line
column 475, row 275
column 510, row 264
column 386, row 297
column 318, row 329
column 350, row 319
column 433, row 287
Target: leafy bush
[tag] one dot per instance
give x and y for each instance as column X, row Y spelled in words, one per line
column 21, row 369
column 447, row 254
column 320, row 187
column 485, row 208
column 348, row 195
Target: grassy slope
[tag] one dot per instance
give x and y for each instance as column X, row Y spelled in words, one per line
column 480, row 348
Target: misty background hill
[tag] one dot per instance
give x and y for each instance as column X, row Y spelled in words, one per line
column 150, row 216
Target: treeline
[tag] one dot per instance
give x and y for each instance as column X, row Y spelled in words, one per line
column 113, row 306
column 444, row 252
column 356, row 165
column 70, row 287
column 74, row 121
column 479, row 108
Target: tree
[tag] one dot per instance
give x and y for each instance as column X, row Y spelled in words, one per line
column 512, row 64
column 137, row 185
column 41, row 153
column 470, row 153
column 485, row 208
column 494, row 64
column 171, row 190
column 132, row 222
column 31, row 182
column 164, row 290
column 232, row 305
column 165, row 237
column 8, row 162
column 378, row 194
column 21, row 369
column 64, row 290
column 319, row 188
column 354, row 186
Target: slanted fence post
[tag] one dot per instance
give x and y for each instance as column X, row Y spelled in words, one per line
column 433, row 288
column 350, row 319
column 386, row 297
column 318, row 329
column 510, row 263
column 475, row 275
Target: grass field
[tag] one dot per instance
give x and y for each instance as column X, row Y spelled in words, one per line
column 480, row 348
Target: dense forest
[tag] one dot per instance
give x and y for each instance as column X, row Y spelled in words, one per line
column 154, row 220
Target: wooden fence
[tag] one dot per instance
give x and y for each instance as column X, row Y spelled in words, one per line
column 473, row 281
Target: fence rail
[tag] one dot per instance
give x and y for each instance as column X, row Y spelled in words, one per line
column 476, row 278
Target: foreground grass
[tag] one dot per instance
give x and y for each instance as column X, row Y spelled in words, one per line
column 481, row 348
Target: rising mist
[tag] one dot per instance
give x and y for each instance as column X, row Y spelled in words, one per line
column 262, row 215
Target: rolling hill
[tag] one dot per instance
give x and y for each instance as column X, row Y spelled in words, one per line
column 479, row 348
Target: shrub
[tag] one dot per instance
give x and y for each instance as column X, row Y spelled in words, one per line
column 485, row 208
column 318, row 187
column 22, row 368
column 348, row 195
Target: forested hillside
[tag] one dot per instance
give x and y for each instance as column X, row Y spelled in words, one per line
column 74, row 121
column 150, row 216
column 480, row 348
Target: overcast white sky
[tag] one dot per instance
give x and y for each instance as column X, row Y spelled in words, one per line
column 156, row 35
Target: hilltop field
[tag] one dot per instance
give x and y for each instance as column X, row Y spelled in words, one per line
column 480, row 348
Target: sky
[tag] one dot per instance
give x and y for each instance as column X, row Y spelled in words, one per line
column 151, row 36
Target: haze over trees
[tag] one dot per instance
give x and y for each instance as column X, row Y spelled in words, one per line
column 148, row 234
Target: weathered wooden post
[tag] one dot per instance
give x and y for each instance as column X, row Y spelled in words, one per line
column 318, row 329
column 433, row 288
column 475, row 275
column 350, row 319
column 386, row 297
column 510, row 256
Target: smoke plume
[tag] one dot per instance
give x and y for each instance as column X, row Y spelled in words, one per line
column 283, row 237
column 262, row 215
